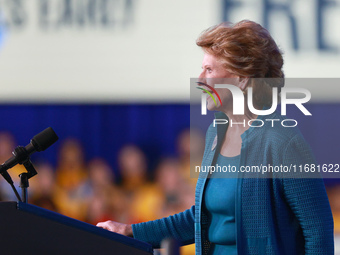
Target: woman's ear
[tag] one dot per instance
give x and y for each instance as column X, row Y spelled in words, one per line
column 243, row 83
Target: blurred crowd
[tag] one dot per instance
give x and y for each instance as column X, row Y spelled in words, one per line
column 90, row 190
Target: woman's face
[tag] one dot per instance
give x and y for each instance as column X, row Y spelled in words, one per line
column 215, row 73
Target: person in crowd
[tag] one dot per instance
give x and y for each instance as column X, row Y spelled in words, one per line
column 173, row 187
column 176, row 191
column 166, row 195
column 7, row 146
column 190, row 147
column 42, row 187
column 132, row 167
column 105, row 201
column 135, row 183
column 72, row 189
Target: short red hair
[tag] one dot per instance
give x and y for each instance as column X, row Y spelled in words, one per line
column 247, row 49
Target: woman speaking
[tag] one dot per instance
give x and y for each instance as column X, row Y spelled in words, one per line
column 279, row 214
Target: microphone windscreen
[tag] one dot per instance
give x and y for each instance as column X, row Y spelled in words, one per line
column 44, row 139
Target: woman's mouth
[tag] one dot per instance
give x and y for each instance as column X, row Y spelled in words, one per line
column 210, row 90
column 207, row 87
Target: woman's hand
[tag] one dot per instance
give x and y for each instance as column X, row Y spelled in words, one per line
column 120, row 228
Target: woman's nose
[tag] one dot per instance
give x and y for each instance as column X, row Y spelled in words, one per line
column 201, row 78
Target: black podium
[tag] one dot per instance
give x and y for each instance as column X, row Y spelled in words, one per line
column 27, row 229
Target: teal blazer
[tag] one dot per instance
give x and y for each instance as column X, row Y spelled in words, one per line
column 276, row 213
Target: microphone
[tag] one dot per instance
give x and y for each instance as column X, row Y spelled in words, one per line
column 39, row 142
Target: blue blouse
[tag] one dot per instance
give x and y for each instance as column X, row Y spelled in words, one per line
column 219, row 202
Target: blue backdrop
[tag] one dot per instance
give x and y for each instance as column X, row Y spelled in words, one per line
column 104, row 128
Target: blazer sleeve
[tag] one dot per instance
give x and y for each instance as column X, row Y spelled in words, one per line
column 308, row 200
column 179, row 226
